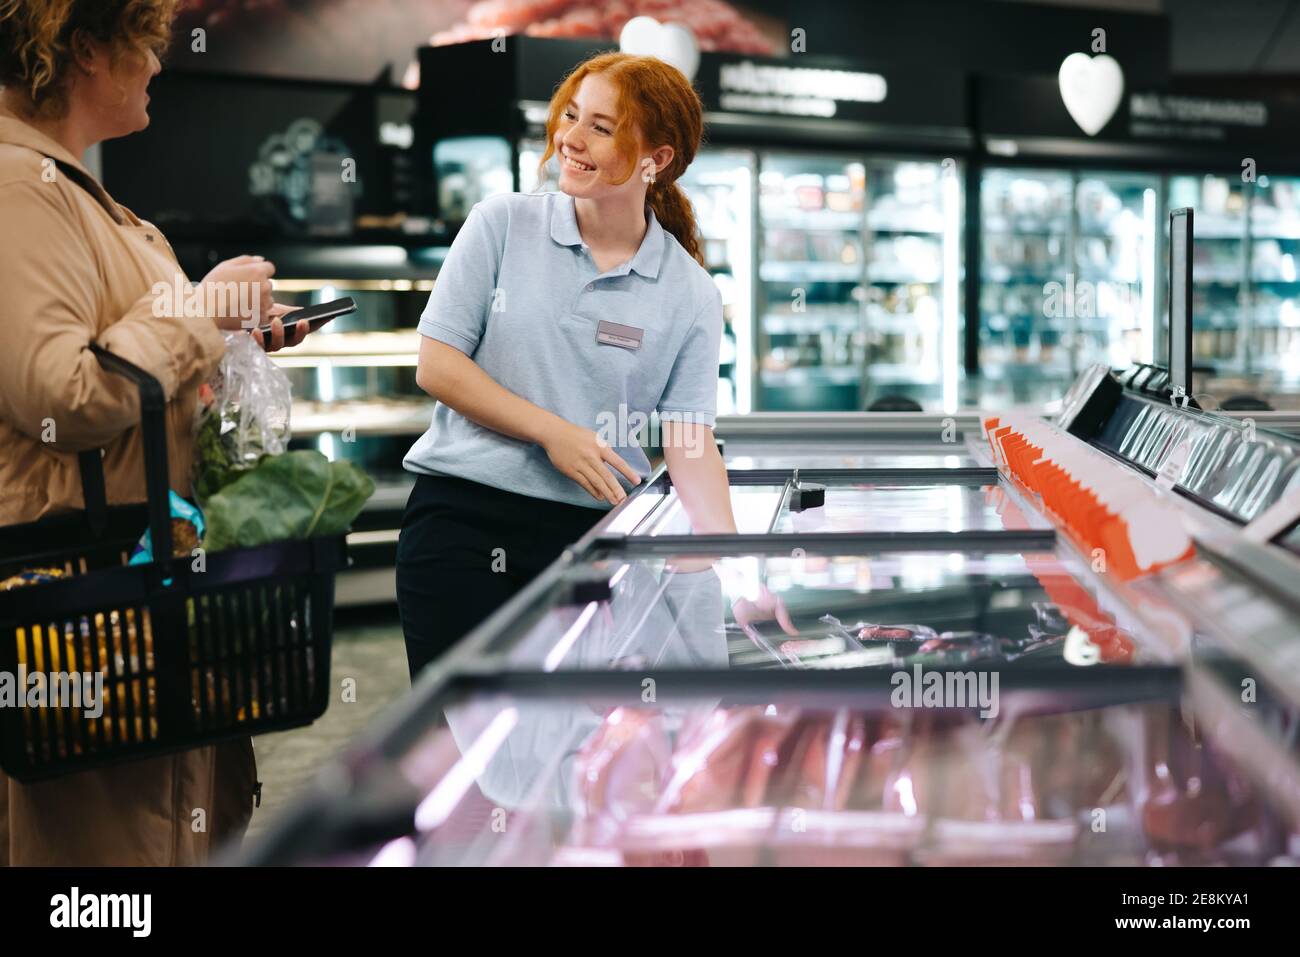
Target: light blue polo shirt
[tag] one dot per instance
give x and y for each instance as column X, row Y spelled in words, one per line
column 520, row 295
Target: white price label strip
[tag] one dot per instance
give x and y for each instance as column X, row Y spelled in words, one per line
column 1168, row 475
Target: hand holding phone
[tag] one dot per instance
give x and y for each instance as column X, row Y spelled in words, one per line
column 276, row 339
column 298, row 322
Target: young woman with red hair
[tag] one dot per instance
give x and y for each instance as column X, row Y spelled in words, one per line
column 559, row 322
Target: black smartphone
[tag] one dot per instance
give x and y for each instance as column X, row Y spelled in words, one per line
column 315, row 317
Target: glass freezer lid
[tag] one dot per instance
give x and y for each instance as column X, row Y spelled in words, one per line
column 825, row 609
column 919, row 500
column 885, row 506
column 515, row 779
column 753, row 453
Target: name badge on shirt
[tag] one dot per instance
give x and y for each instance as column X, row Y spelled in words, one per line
column 616, row 334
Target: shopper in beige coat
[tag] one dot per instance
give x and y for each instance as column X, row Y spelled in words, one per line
column 76, row 267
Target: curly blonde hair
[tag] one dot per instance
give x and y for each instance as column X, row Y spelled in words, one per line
column 37, row 38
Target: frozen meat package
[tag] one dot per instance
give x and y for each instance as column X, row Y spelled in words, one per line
column 789, row 785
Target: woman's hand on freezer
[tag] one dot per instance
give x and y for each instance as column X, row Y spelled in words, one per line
column 237, row 292
column 582, row 456
column 277, row 342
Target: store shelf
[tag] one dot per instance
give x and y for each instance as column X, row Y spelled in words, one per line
column 810, row 272
column 878, row 274
column 351, row 285
column 814, row 219
column 881, row 321
column 814, row 375
column 1037, row 229
column 898, row 373
column 775, row 323
column 916, row 227
column 1213, row 227
column 1003, row 275
column 364, row 349
column 377, row 417
column 1272, row 232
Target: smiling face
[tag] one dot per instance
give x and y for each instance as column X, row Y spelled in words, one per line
column 584, row 142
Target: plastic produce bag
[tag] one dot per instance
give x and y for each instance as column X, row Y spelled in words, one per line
column 243, row 414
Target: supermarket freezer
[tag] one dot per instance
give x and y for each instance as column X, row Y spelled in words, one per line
column 515, row 777
column 648, row 701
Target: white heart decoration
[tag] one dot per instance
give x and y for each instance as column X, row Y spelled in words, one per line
column 1091, row 88
column 670, row 42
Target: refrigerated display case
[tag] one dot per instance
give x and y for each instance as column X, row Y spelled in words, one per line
column 659, row 697
column 469, row 169
column 1220, row 270
column 1116, row 237
column 1273, row 331
column 720, row 186
column 1068, row 275
column 1025, row 229
column 859, row 280
column 914, row 275
column 1246, row 326
column 812, row 268
column 518, row 778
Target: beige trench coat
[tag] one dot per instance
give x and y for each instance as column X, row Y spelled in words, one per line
column 71, row 274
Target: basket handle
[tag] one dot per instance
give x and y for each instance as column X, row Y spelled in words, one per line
column 153, row 405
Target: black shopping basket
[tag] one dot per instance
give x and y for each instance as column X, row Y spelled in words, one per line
column 188, row 654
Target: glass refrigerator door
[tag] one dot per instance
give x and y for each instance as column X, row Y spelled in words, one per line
column 530, row 180
column 1220, row 291
column 1273, row 336
column 469, row 169
column 1114, row 282
column 914, row 216
column 719, row 184
column 1027, row 225
column 811, row 335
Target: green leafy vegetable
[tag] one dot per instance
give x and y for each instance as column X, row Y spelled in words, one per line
column 217, row 460
column 294, row 495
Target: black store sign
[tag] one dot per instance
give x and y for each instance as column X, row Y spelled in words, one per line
column 753, row 85
column 754, row 100
column 1187, row 128
column 758, row 97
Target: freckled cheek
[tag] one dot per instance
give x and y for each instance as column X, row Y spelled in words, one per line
column 611, row 164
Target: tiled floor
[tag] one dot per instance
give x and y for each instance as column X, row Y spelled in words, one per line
column 368, row 648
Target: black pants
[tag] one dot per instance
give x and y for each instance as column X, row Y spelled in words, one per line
column 465, row 549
